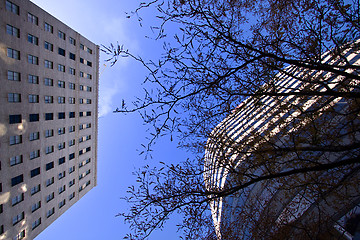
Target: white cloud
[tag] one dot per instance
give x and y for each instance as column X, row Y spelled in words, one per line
column 105, row 100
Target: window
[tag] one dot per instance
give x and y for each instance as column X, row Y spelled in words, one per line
column 32, row 39
column 62, row 189
column 72, row 182
column 49, row 99
column 61, row 115
column 81, row 60
column 13, row 31
column 72, row 169
column 35, row 206
column 18, row 218
column 62, row 175
column 16, row 180
column 81, row 74
column 48, row 27
column 61, row 52
column 49, row 64
column 62, row 203
column 61, row 131
column 49, row 149
column 35, row 189
column 14, row 97
column 72, row 86
column 72, row 56
column 49, row 181
column 61, row 35
column 33, row 98
column 33, row 19
column 72, row 129
column 71, row 196
column 35, row 172
column 15, row 139
column 49, row 133
column 61, row 100
column 50, row 212
column 33, row 79
column 61, row 68
column 89, row 50
column 71, row 142
column 72, row 71
column 71, row 156
column 84, row 174
column 49, row 116
column 1, row 209
column 88, row 89
column 72, row 114
column 13, row 76
column 14, row 119
column 72, row 41
column 81, row 87
column 83, row 163
column 33, row 59
column 49, row 166
column 61, row 145
column 34, row 117
column 36, row 223
column 88, row 113
column 1, row 229
column 50, row 197
column 84, row 186
column 16, row 160
column 34, row 154
column 89, row 63
column 11, row 7
column 34, row 136
column 17, row 199
column 88, row 76
column 48, row 46
column 12, row 53
column 82, row 46
column 21, row 235
column 81, row 101
column 61, row 84
column 88, row 101
column 61, row 160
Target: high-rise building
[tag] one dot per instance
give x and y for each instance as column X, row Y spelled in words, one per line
column 48, row 118
column 273, row 134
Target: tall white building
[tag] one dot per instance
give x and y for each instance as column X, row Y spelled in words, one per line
column 237, row 152
column 48, row 118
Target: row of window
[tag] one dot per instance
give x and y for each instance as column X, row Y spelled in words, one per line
column 17, row 118
column 33, row 98
column 15, row 54
column 11, row 7
column 16, row 76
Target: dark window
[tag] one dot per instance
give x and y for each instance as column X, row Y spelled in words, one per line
column 35, row 172
column 81, row 60
column 17, row 180
column 61, row 52
column 89, row 64
column 49, row 166
column 88, row 113
column 61, row 160
column 61, row 115
column 49, row 116
column 71, row 114
column 33, row 117
column 88, row 149
column 81, row 114
column 72, row 56
column 71, row 156
column 14, row 119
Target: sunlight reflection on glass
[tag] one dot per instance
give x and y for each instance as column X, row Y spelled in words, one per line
column 3, row 129
column 4, row 198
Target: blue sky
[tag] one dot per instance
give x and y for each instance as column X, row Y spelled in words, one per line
column 104, row 22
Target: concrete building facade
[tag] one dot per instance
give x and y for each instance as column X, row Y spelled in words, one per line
column 48, row 118
column 235, row 155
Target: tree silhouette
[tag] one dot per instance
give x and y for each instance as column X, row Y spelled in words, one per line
column 229, row 60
